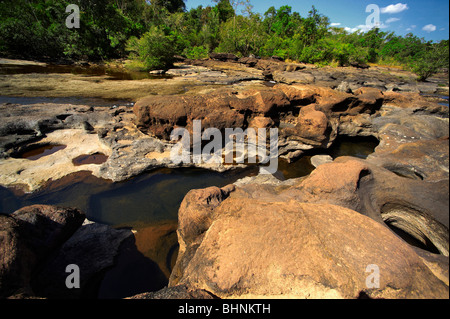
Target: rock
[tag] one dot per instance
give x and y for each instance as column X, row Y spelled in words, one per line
column 251, row 243
column 195, row 218
column 15, row 261
column 307, row 116
column 223, row 56
column 34, row 121
column 370, row 189
column 157, row 72
column 344, row 87
column 359, row 65
column 261, row 122
column 277, row 58
column 258, row 249
column 392, row 87
column 47, row 227
column 293, row 77
column 251, row 62
column 178, row 292
column 186, row 70
column 28, row 237
column 318, row 160
column 93, row 249
column 312, row 124
column 161, row 115
column 34, row 174
column 294, row 67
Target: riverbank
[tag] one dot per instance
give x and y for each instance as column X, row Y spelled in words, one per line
column 312, row 108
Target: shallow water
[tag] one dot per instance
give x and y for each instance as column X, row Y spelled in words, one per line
column 97, row 158
column 91, row 101
column 41, row 151
column 360, row 147
column 146, row 199
column 111, row 73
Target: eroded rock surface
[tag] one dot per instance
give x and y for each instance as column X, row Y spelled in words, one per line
column 315, row 238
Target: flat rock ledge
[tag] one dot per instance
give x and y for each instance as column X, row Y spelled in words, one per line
column 137, row 139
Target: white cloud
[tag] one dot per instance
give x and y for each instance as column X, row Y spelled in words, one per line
column 395, row 8
column 411, row 28
column 429, row 28
column 335, row 24
column 391, row 20
column 364, row 28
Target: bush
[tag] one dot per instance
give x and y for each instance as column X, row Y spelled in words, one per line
column 155, row 49
column 431, row 61
column 197, row 52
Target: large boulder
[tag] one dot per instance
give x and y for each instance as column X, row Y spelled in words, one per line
column 93, row 248
column 28, row 237
column 292, row 249
column 317, row 237
column 47, row 227
column 38, row 242
column 16, row 259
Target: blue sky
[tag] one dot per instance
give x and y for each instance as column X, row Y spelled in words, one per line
column 428, row 19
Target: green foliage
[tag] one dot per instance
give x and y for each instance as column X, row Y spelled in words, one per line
column 171, row 5
column 225, row 10
column 155, row 49
column 36, row 29
column 429, row 62
column 243, row 36
column 197, row 52
column 151, row 32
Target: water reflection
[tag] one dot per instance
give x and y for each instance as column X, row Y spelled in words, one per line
column 146, row 199
column 112, row 73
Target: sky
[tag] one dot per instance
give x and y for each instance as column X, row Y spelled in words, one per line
column 426, row 19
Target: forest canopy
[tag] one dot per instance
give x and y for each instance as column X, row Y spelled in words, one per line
column 151, row 33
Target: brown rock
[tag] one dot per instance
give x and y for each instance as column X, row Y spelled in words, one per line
column 27, row 239
column 16, row 259
column 47, row 227
column 280, row 249
column 261, row 122
column 312, row 124
column 223, row 56
column 294, row 77
column 309, row 238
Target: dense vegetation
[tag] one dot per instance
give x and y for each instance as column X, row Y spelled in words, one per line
column 152, row 32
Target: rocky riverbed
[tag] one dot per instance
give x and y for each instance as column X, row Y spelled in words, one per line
column 311, row 237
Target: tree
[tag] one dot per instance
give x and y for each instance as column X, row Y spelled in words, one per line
column 155, row 49
column 225, row 10
column 432, row 60
column 314, row 27
column 171, row 5
column 243, row 36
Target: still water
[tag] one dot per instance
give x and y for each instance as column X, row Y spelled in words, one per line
column 157, row 195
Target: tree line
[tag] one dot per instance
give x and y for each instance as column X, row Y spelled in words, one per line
column 151, row 33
